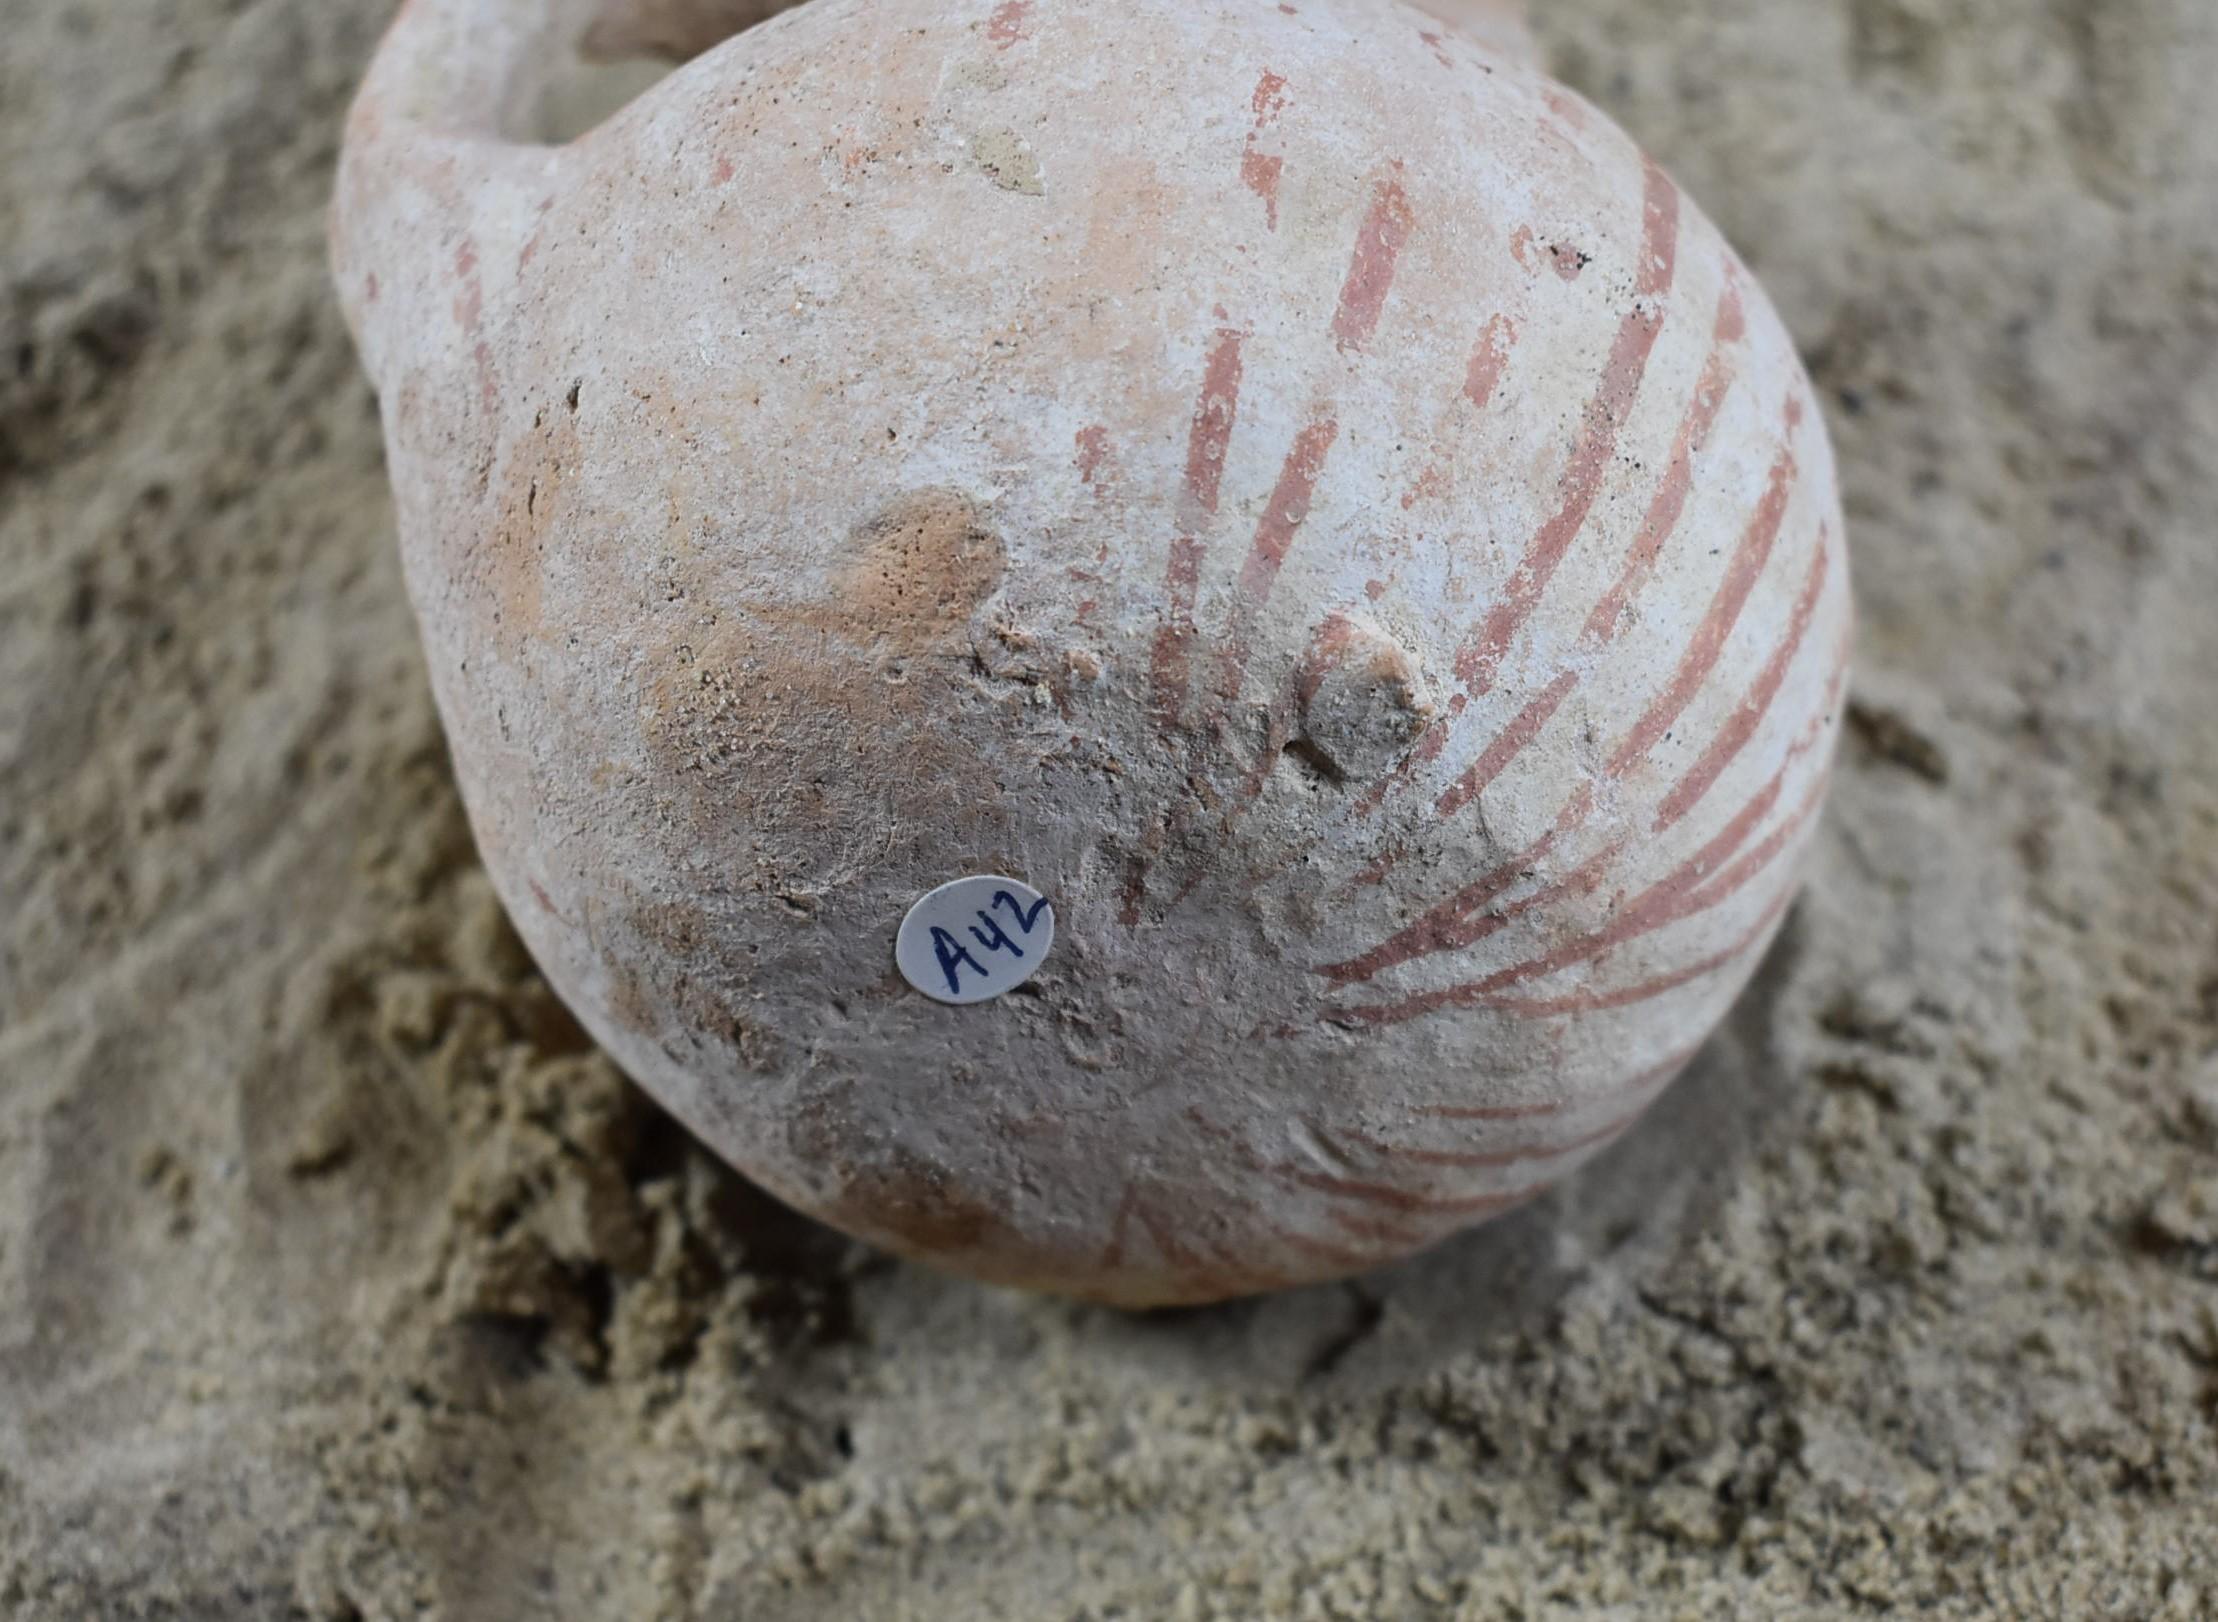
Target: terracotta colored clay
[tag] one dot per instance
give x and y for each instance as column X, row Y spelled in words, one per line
column 1288, row 482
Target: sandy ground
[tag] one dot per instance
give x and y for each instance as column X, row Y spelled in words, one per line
column 339, row 1277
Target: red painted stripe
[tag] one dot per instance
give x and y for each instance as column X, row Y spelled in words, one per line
column 1175, row 640
column 1682, row 904
column 1093, row 449
column 1601, row 423
column 1288, row 510
column 1274, row 537
column 1708, row 642
column 1390, row 1198
column 1451, row 925
column 1378, row 250
column 1594, row 1002
column 1269, row 99
column 1508, row 746
column 1008, row 25
column 1438, row 929
column 1328, row 651
column 1261, row 172
column 1489, row 360
column 1702, row 655
column 1659, row 904
column 1744, row 871
column 1662, row 519
column 1134, row 893
column 1505, row 1112
column 1670, row 503
column 1216, row 410
column 1376, row 873
column 1581, row 880
column 1656, row 907
column 489, row 387
column 1741, row 725
column 1839, row 683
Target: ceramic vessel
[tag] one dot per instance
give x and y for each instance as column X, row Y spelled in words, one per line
column 1288, row 483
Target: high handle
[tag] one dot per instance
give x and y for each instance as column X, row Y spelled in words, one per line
column 434, row 173
column 476, row 67
column 435, row 170
column 684, row 28
column 678, row 29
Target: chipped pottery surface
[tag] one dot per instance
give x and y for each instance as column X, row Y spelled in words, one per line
column 1289, row 484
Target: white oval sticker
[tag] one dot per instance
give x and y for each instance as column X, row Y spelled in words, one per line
column 975, row 939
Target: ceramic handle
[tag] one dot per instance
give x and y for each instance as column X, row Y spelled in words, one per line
column 682, row 29
column 430, row 177
column 431, row 155
column 678, row 29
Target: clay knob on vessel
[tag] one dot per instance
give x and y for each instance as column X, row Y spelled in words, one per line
column 1289, row 484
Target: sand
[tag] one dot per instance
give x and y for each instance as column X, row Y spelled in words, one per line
column 341, row 1278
